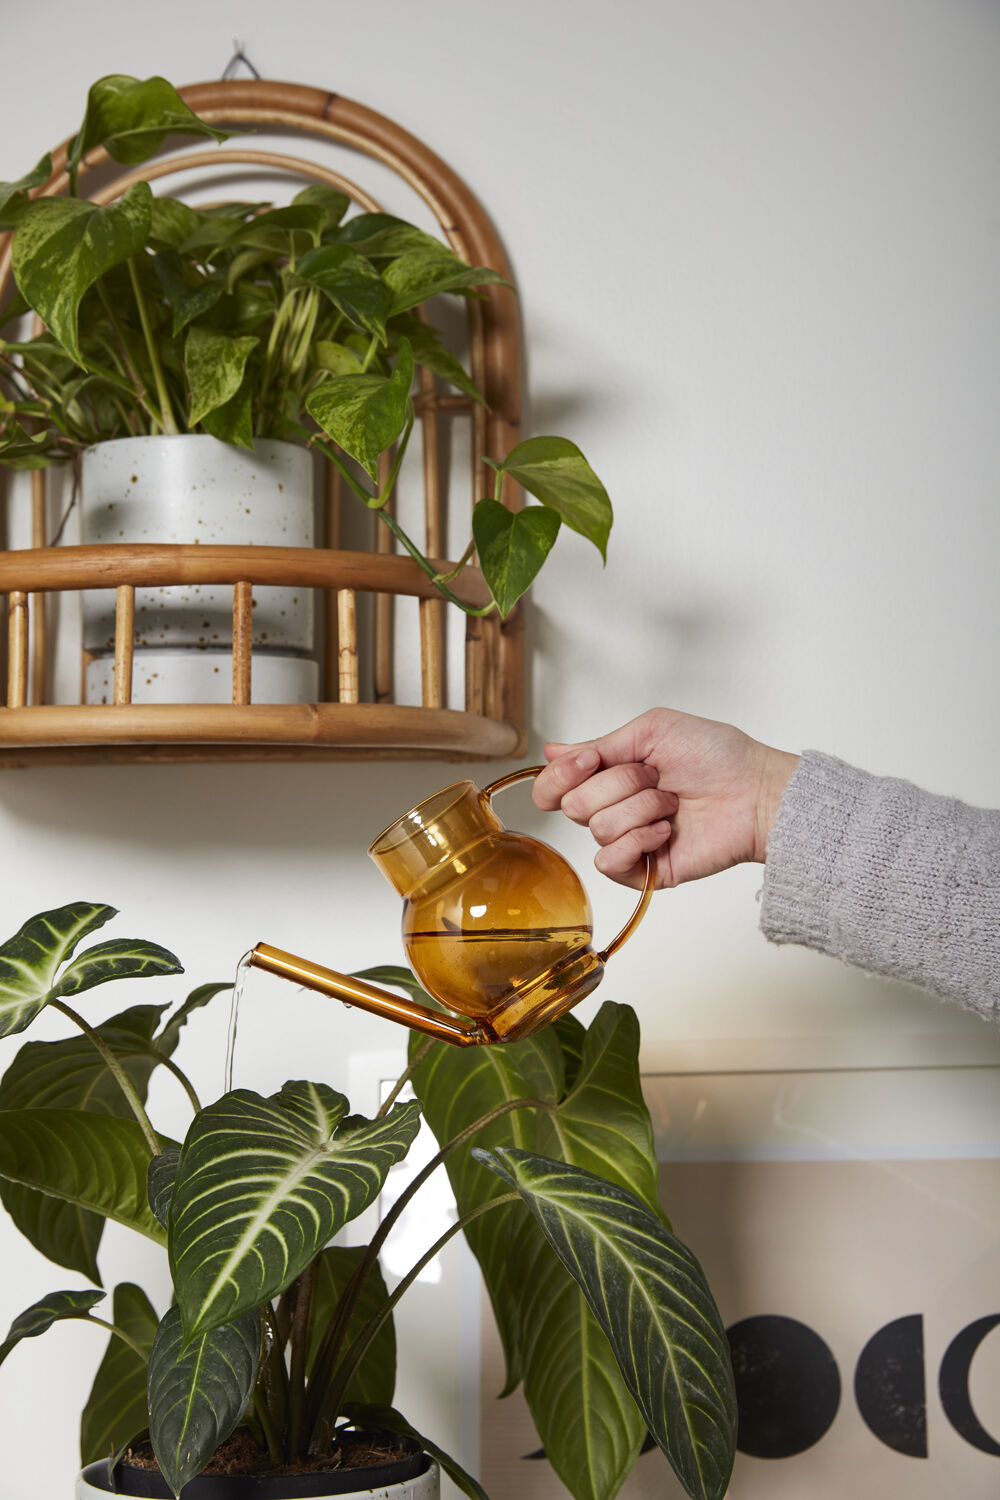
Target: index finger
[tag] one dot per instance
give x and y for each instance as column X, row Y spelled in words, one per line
column 566, row 771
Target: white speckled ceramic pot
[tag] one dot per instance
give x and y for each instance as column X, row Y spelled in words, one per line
column 194, row 489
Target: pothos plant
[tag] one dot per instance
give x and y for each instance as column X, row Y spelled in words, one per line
column 604, row 1314
column 245, row 321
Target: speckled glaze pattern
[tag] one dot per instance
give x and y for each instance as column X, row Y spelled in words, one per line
column 194, row 489
column 426, row 1486
column 176, row 675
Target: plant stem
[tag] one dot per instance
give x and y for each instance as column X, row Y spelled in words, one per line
column 180, row 1075
column 115, row 1068
column 404, row 1077
column 138, row 387
column 425, row 566
column 327, row 1354
column 167, row 421
column 267, row 1426
column 344, row 1372
column 297, row 1373
column 126, row 1338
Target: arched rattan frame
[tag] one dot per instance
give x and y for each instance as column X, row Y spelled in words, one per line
column 491, row 722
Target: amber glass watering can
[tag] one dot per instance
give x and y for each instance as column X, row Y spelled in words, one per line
column 496, row 925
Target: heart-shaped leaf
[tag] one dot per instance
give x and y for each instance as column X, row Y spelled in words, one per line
column 429, row 270
column 116, row 1410
column 649, row 1295
column 131, row 118
column 97, row 1162
column 14, row 195
column 41, row 1315
column 333, row 203
column 365, row 414
column 64, row 245
column 512, row 546
column 350, row 282
column 215, row 364
column 197, row 1391
column 555, row 471
column 30, row 959
column 263, row 1185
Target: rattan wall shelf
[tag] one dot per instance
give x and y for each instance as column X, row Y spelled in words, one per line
column 357, row 718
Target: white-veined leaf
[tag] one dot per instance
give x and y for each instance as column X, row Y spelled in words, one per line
column 263, row 1184
column 650, row 1296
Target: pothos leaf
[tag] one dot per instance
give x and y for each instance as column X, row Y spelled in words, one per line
column 512, row 546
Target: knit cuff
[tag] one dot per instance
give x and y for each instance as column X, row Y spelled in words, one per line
column 887, row 877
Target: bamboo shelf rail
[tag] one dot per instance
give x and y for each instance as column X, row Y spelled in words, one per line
column 360, row 715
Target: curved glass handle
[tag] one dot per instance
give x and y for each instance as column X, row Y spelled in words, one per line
column 498, row 786
column 647, row 886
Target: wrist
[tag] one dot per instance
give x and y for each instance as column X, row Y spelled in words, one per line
column 776, row 773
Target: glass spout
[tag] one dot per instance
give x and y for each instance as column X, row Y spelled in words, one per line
column 369, row 997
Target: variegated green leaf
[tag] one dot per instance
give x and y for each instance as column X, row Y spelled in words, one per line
column 512, row 547
column 555, row 471
column 588, row 1422
column 650, row 1296
column 119, row 958
column 350, row 282
column 63, row 245
column 14, row 195
column 116, row 1410
column 30, row 959
column 429, row 269
column 160, row 1179
column 131, row 118
column 215, row 364
column 96, row 1162
column 41, row 1315
column 71, row 1074
column 263, row 1184
column 197, row 1391
column 365, row 414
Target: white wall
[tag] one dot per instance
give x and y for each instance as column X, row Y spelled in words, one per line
column 756, row 249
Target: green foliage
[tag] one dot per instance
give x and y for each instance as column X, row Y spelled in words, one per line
column 605, row 1316
column 117, row 1401
column 249, row 320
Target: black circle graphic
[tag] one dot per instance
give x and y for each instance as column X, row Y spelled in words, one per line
column 890, row 1388
column 787, row 1386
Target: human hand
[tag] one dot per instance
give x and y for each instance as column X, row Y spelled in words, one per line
column 698, row 796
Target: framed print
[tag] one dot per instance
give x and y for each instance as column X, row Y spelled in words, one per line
column 848, row 1220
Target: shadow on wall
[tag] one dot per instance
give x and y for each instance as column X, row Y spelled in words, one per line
column 239, row 808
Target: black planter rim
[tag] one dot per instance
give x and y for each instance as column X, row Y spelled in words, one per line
column 149, row 1484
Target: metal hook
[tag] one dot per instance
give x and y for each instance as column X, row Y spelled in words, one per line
column 239, row 56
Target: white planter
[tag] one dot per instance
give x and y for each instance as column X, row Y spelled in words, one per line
column 193, row 489
column 177, row 675
column 426, row 1486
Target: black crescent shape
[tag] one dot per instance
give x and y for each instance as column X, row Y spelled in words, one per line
column 953, row 1384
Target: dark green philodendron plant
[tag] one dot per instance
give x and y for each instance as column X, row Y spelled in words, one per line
column 604, row 1315
column 246, row 321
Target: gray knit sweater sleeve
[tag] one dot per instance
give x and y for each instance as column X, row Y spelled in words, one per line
column 887, row 877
